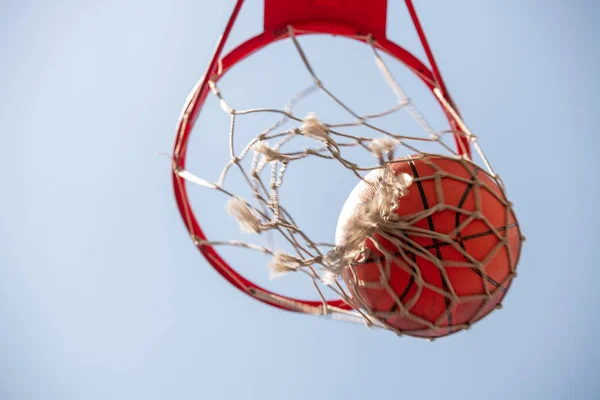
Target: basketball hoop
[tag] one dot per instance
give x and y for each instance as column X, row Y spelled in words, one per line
column 393, row 234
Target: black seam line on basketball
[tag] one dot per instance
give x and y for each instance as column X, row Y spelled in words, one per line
column 460, row 205
column 435, row 241
column 429, row 247
column 411, row 282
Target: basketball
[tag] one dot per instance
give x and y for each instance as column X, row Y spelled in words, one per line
column 449, row 259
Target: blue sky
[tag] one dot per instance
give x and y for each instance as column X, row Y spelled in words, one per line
column 102, row 295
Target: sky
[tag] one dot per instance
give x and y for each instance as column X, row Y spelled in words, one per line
column 102, row 293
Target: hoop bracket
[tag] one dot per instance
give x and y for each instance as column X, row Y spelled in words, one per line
column 368, row 16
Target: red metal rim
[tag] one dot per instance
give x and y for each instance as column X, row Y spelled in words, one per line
column 195, row 102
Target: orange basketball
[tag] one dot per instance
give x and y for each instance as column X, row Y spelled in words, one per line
column 451, row 257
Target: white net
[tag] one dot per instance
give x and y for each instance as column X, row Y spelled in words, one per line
column 371, row 231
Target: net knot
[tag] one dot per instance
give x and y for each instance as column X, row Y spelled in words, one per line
column 313, row 127
column 391, row 188
column 268, row 153
column 336, row 259
column 382, row 147
column 245, row 216
column 282, row 263
column 329, row 277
